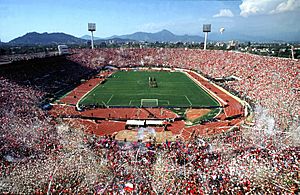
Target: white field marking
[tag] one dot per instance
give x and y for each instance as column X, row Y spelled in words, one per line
column 217, row 98
column 220, row 110
column 110, row 98
column 84, row 98
column 130, row 102
column 104, row 104
column 167, row 101
column 188, row 100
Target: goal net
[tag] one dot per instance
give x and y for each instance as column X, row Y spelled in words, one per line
column 149, row 102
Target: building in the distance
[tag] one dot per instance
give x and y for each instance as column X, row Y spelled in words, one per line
column 232, row 44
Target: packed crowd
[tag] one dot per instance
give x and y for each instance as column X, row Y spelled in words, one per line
column 30, row 56
column 50, row 75
column 40, row 154
column 26, row 131
column 198, row 167
column 227, row 164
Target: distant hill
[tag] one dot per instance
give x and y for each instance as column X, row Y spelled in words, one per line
column 161, row 36
column 34, row 38
column 114, row 40
column 88, row 37
column 98, row 40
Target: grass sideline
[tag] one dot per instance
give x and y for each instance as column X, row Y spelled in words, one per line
column 127, row 88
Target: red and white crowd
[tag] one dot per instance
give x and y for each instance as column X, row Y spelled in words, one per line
column 40, row 154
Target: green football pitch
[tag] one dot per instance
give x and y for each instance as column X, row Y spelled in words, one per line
column 174, row 89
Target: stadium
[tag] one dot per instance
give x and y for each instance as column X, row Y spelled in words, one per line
column 131, row 103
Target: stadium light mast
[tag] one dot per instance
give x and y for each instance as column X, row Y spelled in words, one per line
column 92, row 28
column 206, row 30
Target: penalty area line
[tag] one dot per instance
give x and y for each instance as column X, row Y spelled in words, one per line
column 188, row 100
column 110, row 98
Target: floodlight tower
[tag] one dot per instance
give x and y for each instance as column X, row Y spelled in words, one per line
column 206, row 30
column 92, row 28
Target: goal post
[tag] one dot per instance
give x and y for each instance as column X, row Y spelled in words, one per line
column 149, row 102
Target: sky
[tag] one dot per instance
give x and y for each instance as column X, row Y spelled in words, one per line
column 265, row 18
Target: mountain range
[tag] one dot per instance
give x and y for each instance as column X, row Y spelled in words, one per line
column 35, row 38
column 161, row 36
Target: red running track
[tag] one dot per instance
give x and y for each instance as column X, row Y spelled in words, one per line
column 113, row 113
column 75, row 95
column 233, row 107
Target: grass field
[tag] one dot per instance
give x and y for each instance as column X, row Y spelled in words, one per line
column 174, row 89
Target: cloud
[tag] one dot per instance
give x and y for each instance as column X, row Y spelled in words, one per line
column 286, row 6
column 224, row 13
column 259, row 7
